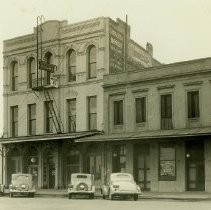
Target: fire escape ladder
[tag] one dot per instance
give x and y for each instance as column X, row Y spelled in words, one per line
column 53, row 111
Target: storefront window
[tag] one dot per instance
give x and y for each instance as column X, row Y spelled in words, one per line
column 167, row 169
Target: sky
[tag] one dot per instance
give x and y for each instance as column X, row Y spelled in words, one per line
column 178, row 29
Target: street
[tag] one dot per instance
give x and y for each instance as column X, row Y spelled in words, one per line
column 44, row 203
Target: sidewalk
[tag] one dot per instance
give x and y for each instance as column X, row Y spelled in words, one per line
column 183, row 196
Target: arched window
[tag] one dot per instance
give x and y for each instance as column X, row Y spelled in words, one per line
column 49, row 59
column 14, row 75
column 92, row 62
column 71, row 65
column 31, row 72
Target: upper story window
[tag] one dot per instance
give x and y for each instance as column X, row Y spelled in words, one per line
column 140, row 109
column 49, row 59
column 32, row 119
column 31, row 71
column 166, row 112
column 14, row 121
column 92, row 62
column 71, row 65
column 14, row 75
column 92, row 112
column 193, row 104
column 118, row 112
column 48, row 117
column 71, row 115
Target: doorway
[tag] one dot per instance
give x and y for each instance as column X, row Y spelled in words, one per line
column 195, row 170
column 142, row 166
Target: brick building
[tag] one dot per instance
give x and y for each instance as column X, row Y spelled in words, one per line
column 46, row 112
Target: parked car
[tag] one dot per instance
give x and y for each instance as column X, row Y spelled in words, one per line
column 81, row 184
column 22, row 184
column 2, row 189
column 121, row 184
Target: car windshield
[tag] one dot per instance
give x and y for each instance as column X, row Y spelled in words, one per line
column 81, row 176
column 121, row 177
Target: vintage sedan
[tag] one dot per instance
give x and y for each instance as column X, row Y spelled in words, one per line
column 2, row 188
column 22, row 184
column 81, row 184
column 121, row 185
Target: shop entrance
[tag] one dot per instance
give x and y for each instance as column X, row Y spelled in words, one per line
column 142, row 166
column 195, row 165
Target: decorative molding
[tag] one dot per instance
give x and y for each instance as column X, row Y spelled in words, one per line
column 140, row 90
column 165, row 87
column 193, row 83
column 118, row 93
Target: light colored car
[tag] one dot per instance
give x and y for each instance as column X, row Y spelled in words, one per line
column 81, row 184
column 121, row 184
column 22, row 184
column 2, row 188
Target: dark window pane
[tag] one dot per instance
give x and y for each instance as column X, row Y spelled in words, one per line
column 166, row 112
column 32, row 119
column 14, row 121
column 49, row 117
column 140, row 110
column 72, row 115
column 118, row 112
column 92, row 62
column 72, row 65
column 92, row 111
column 14, row 76
column 193, row 104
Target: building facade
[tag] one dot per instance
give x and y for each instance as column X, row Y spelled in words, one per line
column 46, row 112
column 158, row 126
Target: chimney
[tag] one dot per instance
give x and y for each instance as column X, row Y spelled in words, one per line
column 149, row 48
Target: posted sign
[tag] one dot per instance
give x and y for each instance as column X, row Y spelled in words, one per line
column 47, row 67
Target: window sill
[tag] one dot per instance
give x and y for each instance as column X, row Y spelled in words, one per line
column 195, row 119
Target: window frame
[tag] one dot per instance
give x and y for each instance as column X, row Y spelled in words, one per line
column 47, row 75
column 189, row 105
column 14, row 76
column 31, row 120
column 119, row 121
column 72, row 115
column 90, row 113
column 70, row 66
column 48, row 118
column 14, row 120
column 30, row 72
column 142, row 111
column 92, row 62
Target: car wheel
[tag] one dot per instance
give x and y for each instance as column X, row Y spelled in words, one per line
column 69, row 196
column 104, row 197
column 91, row 196
column 135, row 197
column 11, row 195
column 32, row 195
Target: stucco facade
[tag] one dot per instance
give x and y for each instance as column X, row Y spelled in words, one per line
column 44, row 153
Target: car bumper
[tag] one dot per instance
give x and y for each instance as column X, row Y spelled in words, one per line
column 74, row 192
column 22, row 191
column 125, row 192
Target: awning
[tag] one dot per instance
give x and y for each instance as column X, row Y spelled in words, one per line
column 47, row 137
column 150, row 134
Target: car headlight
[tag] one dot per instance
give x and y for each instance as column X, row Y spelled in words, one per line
column 70, row 186
column 115, row 186
column 138, row 188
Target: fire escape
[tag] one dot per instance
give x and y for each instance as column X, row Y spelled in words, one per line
column 41, row 83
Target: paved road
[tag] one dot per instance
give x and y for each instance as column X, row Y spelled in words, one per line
column 37, row 203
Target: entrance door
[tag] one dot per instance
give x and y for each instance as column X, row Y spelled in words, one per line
column 142, row 166
column 34, row 171
column 195, row 165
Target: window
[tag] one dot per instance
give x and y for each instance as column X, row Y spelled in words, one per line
column 118, row 112
column 32, row 71
column 193, row 104
column 71, row 115
column 49, row 117
column 119, row 158
column 32, row 119
column 14, row 121
column 92, row 112
column 47, row 74
column 14, row 76
column 140, row 110
column 167, row 162
column 166, row 112
column 71, row 65
column 92, row 62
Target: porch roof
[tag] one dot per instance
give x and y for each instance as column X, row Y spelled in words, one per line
column 150, row 134
column 47, row 137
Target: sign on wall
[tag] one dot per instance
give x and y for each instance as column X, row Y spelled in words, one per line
column 116, row 51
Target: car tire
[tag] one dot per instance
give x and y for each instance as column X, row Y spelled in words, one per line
column 11, row 195
column 135, row 197
column 91, row 196
column 32, row 195
column 104, row 197
column 69, row 196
